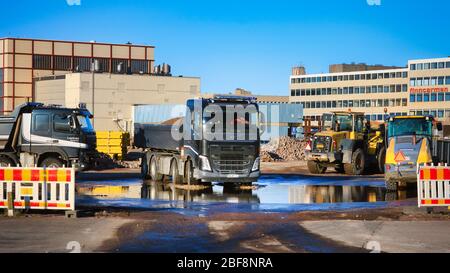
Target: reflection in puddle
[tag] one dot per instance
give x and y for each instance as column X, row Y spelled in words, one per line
column 265, row 193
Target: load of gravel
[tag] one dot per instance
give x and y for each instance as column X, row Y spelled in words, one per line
column 283, row 149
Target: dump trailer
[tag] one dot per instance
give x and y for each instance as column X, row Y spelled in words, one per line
column 217, row 140
column 51, row 136
column 412, row 141
column 346, row 143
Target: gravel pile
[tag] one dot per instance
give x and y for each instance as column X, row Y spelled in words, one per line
column 283, row 149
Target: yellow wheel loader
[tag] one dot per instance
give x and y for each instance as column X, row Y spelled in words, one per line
column 346, row 143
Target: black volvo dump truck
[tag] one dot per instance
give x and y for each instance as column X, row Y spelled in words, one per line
column 51, row 136
column 216, row 141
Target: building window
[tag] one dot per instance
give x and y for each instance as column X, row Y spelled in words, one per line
column 119, row 66
column 440, row 96
column 447, row 96
column 405, row 74
column 426, row 97
column 426, row 66
column 440, row 80
column 433, row 96
column 419, row 97
column 434, row 65
column 419, row 66
column 404, row 88
column 412, row 67
column 82, row 64
column 139, row 67
column 440, row 113
column 297, row 92
column 43, row 62
column 447, row 80
column 292, row 92
column 412, row 98
column 63, row 63
column 447, row 64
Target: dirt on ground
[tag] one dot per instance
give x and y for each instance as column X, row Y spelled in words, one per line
column 283, row 149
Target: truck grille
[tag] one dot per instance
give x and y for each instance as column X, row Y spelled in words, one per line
column 321, row 144
column 232, row 159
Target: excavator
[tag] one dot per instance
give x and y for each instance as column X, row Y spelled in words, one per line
column 347, row 143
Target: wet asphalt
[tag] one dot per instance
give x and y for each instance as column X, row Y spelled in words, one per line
column 189, row 223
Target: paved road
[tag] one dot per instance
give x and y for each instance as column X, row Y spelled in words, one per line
column 42, row 234
column 391, row 236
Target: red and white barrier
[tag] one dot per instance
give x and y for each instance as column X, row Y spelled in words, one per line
column 433, row 186
column 37, row 188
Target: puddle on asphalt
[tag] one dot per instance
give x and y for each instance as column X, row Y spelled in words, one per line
column 270, row 189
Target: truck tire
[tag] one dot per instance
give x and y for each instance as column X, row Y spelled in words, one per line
column 153, row 169
column 358, row 163
column 6, row 162
column 391, row 185
column 189, row 174
column 174, row 175
column 52, row 162
column 145, row 168
column 381, row 159
column 316, row 168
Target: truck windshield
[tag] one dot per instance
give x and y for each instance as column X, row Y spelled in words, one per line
column 410, row 126
column 236, row 123
column 85, row 123
column 343, row 123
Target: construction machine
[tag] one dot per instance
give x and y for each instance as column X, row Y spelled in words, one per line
column 412, row 141
column 347, row 143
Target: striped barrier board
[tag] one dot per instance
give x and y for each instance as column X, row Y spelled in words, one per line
column 433, row 186
column 38, row 188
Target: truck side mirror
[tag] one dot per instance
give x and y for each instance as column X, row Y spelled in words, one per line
column 439, row 126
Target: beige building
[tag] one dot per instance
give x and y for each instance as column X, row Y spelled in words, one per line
column 59, row 72
column 22, row 60
column 420, row 88
column 114, row 95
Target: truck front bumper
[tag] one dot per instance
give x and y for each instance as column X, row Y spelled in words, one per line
column 401, row 173
column 324, row 157
column 214, row 176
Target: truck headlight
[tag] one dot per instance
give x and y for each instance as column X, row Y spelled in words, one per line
column 256, row 165
column 204, row 163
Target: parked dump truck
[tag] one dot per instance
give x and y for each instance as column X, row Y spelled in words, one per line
column 216, row 144
column 412, row 140
column 346, row 143
column 50, row 136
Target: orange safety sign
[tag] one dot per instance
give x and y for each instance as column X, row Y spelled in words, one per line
column 399, row 157
column 433, row 185
column 38, row 188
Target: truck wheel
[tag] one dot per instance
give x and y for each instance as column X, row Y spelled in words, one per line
column 381, row 159
column 144, row 167
column 189, row 174
column 6, row 162
column 316, row 168
column 174, row 176
column 391, row 185
column 154, row 174
column 51, row 162
column 358, row 163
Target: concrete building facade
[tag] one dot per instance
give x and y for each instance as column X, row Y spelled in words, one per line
column 114, row 95
column 22, row 60
column 420, row 88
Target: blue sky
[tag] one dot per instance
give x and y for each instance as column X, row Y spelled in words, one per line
column 245, row 43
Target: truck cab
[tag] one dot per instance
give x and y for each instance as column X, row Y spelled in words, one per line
column 410, row 140
column 51, row 136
